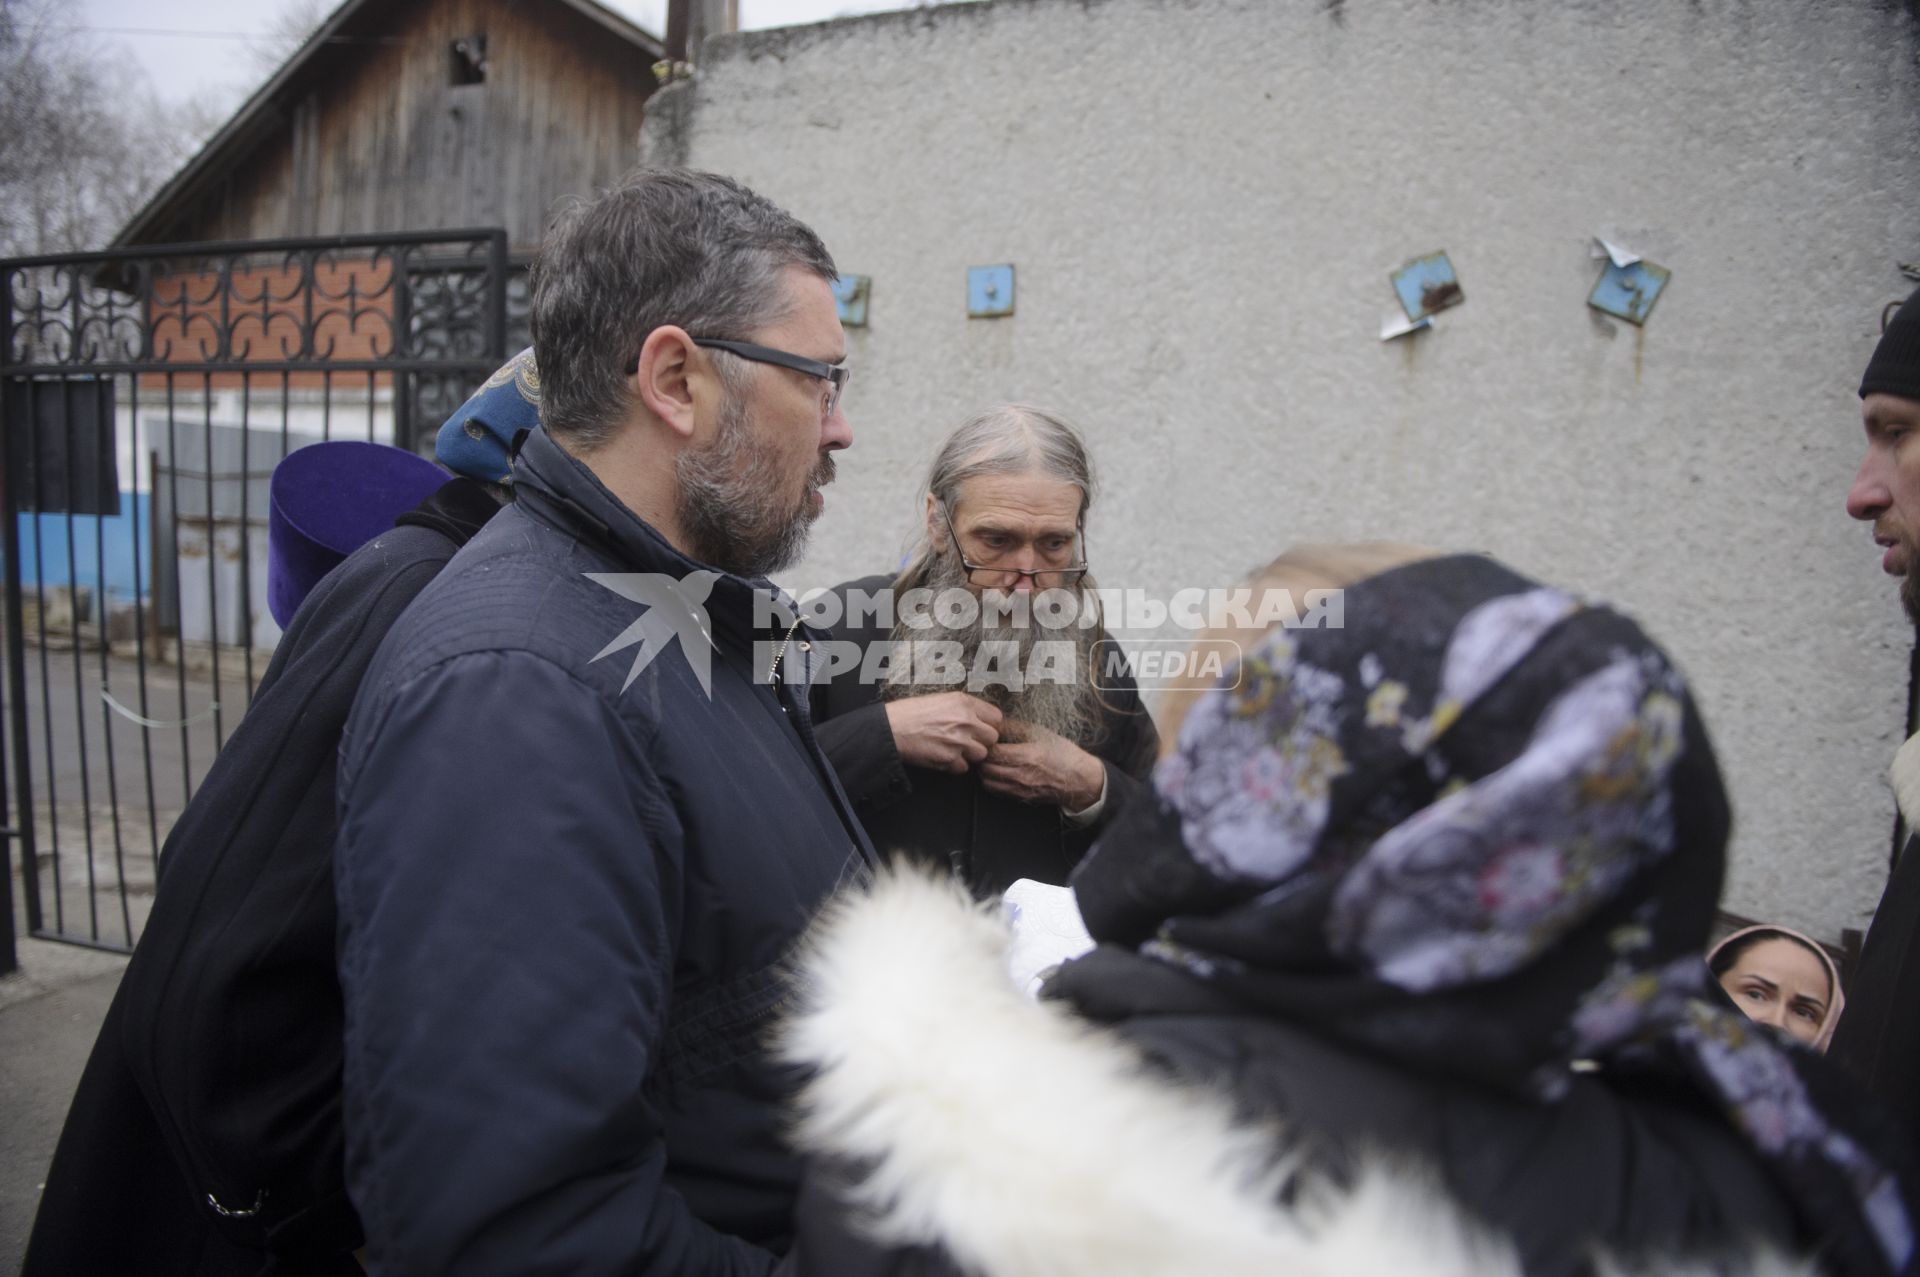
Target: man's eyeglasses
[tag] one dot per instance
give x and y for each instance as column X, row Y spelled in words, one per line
column 835, row 375
column 995, row 576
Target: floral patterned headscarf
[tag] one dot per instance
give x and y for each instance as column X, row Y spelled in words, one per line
column 1479, row 829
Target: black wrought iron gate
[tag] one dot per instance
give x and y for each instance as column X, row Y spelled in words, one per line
column 145, row 397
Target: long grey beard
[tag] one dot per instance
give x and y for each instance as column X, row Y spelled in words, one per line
column 1070, row 707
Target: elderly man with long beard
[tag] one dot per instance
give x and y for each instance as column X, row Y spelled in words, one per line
column 987, row 741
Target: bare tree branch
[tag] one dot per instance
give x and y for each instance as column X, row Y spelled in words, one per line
column 286, row 31
column 88, row 139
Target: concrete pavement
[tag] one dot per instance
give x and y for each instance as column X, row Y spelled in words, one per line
column 95, row 871
column 50, row 1012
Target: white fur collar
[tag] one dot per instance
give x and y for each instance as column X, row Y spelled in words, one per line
column 1029, row 1144
column 1905, row 775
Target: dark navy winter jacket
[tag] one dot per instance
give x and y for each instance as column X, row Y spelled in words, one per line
column 564, row 909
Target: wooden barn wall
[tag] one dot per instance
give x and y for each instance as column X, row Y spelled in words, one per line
column 383, row 140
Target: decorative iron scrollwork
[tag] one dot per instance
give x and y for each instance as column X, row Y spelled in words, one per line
column 423, row 301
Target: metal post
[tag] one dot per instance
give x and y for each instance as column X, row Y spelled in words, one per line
column 679, row 20
column 405, row 385
column 9, row 959
column 497, row 266
column 21, row 808
column 690, row 22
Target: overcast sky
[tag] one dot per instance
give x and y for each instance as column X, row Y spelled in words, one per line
column 201, row 46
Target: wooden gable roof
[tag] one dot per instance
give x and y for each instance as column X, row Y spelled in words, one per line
column 365, row 128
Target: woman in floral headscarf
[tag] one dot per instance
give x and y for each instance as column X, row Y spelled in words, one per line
column 1427, row 888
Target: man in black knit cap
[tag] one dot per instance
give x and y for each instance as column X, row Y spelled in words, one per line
column 1879, row 1036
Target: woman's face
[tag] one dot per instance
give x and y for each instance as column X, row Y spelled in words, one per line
column 1778, row 982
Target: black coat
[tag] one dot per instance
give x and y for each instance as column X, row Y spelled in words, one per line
column 568, row 891
column 217, row 1068
column 981, row 1155
column 1878, row 1037
column 953, row 821
column 1650, row 1176
column 1641, row 1171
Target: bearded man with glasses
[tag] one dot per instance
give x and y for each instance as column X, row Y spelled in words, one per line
column 997, row 741
column 580, row 828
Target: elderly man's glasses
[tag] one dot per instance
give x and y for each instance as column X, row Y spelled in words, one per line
column 989, row 570
column 835, row 375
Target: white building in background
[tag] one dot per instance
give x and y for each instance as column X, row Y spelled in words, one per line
column 1202, row 203
column 221, row 579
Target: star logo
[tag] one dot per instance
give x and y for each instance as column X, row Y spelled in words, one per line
column 675, row 610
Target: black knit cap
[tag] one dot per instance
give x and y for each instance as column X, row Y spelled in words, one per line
column 1895, row 366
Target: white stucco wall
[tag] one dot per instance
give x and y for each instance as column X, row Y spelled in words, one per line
column 1203, row 201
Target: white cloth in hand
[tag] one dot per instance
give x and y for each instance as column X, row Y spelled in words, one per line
column 1047, row 931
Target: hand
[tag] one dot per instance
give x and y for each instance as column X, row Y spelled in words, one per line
column 945, row 732
column 1044, row 768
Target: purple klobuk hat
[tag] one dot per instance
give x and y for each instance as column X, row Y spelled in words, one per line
column 329, row 499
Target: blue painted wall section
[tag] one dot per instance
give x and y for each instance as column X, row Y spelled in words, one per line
column 43, row 549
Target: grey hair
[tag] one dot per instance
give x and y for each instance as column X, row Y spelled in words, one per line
column 665, row 246
column 1009, row 439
